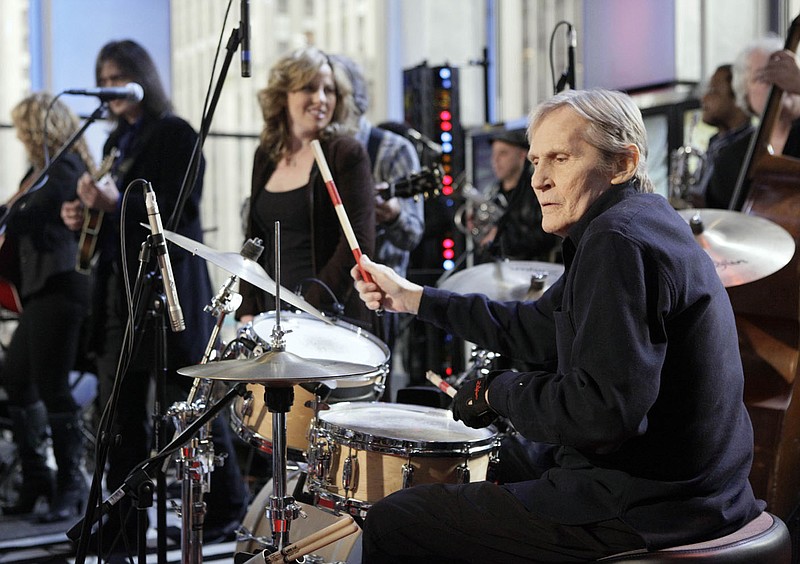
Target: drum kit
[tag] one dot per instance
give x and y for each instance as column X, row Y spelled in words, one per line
column 352, row 451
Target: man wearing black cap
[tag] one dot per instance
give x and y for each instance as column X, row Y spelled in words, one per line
column 518, row 233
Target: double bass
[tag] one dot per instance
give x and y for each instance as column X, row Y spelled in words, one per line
column 768, row 316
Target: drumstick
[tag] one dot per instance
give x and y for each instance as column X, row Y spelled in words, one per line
column 309, row 544
column 337, row 204
column 437, row 381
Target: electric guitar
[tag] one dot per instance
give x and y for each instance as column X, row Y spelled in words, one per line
column 427, row 182
column 92, row 221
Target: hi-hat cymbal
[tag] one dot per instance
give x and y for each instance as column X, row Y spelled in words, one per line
column 277, row 368
column 245, row 269
column 743, row 247
column 509, row 280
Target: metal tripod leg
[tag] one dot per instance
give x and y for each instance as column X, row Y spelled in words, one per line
column 282, row 508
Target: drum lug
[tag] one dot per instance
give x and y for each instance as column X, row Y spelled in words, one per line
column 408, row 475
column 494, row 461
column 247, row 406
column 319, row 460
column 462, row 473
column 350, row 473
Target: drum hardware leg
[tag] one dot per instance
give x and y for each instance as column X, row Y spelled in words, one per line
column 196, row 461
column 282, row 508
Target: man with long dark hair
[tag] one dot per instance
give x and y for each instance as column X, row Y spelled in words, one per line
column 155, row 145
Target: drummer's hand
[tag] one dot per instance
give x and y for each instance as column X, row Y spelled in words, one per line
column 471, row 403
column 245, row 319
column 72, row 214
column 388, row 290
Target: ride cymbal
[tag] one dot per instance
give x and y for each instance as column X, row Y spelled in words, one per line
column 743, row 247
column 509, row 280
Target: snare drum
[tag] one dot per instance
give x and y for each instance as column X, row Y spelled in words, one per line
column 310, row 338
column 361, row 452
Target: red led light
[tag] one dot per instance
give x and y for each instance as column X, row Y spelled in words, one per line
column 444, row 115
column 448, row 243
column 446, row 126
column 447, row 180
column 448, row 253
column 449, row 370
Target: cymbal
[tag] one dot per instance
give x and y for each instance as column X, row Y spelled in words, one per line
column 245, row 269
column 277, row 368
column 743, row 247
column 509, row 280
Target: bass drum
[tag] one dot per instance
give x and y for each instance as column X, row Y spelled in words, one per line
column 310, row 338
column 256, row 534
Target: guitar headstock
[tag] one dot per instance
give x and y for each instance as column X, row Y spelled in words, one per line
column 426, row 183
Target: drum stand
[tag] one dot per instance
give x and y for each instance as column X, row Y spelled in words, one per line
column 197, row 460
column 283, row 509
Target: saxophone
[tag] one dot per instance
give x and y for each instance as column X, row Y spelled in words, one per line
column 687, row 164
column 483, row 210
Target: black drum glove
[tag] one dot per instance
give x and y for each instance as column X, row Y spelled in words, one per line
column 470, row 406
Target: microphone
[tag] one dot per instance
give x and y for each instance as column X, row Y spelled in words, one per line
column 132, row 92
column 160, row 245
column 419, row 137
column 244, row 36
column 573, row 42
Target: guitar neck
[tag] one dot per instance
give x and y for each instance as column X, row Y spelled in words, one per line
column 92, row 222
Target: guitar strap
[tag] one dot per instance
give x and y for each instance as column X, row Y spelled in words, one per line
column 130, row 155
column 373, row 144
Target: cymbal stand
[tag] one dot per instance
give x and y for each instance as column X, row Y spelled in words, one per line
column 480, row 361
column 197, row 460
column 278, row 399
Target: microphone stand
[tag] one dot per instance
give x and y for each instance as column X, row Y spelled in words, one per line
column 148, row 305
column 35, row 185
column 140, row 476
column 191, row 171
column 186, row 187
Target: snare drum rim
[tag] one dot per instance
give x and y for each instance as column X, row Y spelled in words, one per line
column 371, row 442
column 380, row 369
